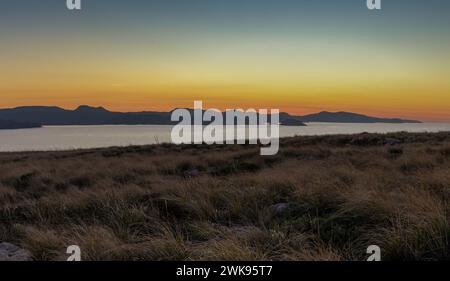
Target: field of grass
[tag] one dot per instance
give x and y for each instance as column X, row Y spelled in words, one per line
column 320, row 198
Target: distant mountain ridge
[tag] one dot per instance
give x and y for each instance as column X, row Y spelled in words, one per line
column 348, row 117
column 87, row 115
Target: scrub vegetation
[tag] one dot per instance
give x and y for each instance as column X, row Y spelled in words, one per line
column 320, row 198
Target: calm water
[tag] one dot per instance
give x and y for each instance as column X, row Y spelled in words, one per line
column 73, row 137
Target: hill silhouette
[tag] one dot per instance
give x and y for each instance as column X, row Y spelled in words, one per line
column 9, row 125
column 87, row 115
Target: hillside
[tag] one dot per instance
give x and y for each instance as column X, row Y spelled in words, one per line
column 86, row 115
column 320, row 198
column 8, row 125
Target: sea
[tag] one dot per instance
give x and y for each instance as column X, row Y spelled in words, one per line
column 54, row 138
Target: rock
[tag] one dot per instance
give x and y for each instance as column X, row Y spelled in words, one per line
column 192, row 173
column 280, row 208
column 392, row 141
column 10, row 252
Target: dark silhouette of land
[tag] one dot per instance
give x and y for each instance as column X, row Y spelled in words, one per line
column 87, row 115
column 10, row 125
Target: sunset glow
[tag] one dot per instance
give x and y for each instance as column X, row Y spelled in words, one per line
column 298, row 56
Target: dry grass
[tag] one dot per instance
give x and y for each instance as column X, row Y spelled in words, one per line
column 165, row 202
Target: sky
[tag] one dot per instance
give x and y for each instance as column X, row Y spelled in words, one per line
column 300, row 56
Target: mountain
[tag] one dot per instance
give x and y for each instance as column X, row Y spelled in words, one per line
column 8, row 125
column 291, row 122
column 87, row 115
column 348, row 117
column 83, row 115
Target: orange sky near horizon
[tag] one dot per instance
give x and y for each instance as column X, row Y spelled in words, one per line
column 403, row 89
